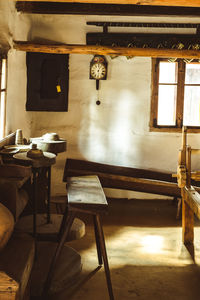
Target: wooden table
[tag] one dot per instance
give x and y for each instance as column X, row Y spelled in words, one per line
column 37, row 164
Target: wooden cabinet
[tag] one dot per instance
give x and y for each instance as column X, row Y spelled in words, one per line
column 47, row 81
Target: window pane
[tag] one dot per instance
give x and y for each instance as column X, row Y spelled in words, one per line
column 167, row 73
column 192, row 73
column 3, row 74
column 191, row 116
column 167, row 105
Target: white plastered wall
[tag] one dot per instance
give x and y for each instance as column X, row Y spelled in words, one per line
column 115, row 132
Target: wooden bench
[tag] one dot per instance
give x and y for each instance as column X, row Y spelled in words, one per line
column 85, row 195
column 124, row 178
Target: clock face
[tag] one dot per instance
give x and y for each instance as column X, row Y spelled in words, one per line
column 98, row 70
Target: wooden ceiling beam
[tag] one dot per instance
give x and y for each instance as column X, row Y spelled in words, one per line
column 105, row 50
column 186, row 3
column 103, row 9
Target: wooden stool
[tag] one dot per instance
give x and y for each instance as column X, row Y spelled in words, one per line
column 85, row 195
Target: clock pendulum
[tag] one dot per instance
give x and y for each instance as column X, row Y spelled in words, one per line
column 98, row 102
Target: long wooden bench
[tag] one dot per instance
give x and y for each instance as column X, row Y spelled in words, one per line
column 141, row 180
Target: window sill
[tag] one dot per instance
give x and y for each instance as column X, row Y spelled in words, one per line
column 173, row 129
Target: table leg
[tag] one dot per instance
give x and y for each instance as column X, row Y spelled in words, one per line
column 98, row 245
column 35, row 207
column 104, row 254
column 48, row 194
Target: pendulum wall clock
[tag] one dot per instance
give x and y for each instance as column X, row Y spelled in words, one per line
column 98, row 69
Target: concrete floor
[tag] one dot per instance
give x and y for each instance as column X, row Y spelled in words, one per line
column 146, row 257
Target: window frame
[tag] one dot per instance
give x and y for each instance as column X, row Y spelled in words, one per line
column 180, row 98
column 3, row 90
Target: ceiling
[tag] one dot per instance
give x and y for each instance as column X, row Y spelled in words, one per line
column 93, row 7
column 186, row 3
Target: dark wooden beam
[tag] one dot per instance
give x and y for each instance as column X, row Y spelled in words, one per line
column 125, row 178
column 186, row 3
column 145, row 40
column 103, row 9
column 84, row 165
column 141, row 180
column 106, row 50
column 143, row 24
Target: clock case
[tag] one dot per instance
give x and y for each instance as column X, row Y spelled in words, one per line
column 98, row 59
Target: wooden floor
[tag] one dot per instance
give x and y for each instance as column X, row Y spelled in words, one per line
column 146, row 256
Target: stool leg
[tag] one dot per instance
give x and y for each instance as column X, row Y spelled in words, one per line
column 104, row 254
column 34, row 191
column 62, row 226
column 66, row 229
column 97, row 238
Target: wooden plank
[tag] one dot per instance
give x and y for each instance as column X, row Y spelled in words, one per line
column 117, row 177
column 173, row 129
column 103, row 9
column 144, row 40
column 15, row 171
column 154, row 92
column 16, row 260
column 105, row 50
column 8, row 287
column 187, row 213
column 193, row 200
column 8, row 140
column 190, row 3
column 195, row 151
column 132, row 184
column 143, row 24
column 187, row 221
column 180, row 93
column 84, row 165
column 86, row 192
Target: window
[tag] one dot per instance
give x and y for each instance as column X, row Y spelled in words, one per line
column 175, row 95
column 3, row 69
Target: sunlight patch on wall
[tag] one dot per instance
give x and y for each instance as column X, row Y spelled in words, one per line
column 121, row 125
column 92, row 141
column 106, row 134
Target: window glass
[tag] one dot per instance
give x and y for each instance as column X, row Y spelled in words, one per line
column 192, row 74
column 3, row 74
column 191, row 115
column 167, row 72
column 167, row 105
